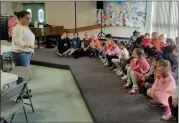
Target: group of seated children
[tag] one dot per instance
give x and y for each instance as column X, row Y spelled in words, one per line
column 89, row 46
column 148, row 65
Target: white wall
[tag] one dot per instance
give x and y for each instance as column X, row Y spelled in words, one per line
column 62, row 13
column 6, row 8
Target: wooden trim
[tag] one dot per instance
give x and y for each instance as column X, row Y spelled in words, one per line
column 82, row 29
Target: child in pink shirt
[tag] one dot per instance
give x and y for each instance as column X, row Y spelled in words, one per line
column 138, row 67
column 113, row 52
column 162, row 87
column 147, row 40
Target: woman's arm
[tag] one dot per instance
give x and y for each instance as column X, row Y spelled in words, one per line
column 18, row 39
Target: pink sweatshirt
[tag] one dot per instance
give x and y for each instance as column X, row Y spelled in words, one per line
column 114, row 51
column 164, row 84
column 140, row 64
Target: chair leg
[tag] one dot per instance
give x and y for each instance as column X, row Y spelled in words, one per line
column 25, row 114
column 30, row 99
column 12, row 117
column 5, row 121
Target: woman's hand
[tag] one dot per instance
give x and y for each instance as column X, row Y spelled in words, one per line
column 33, row 46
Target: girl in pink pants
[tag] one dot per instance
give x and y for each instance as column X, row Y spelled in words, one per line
column 162, row 87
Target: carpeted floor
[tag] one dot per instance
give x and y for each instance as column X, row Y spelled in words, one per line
column 102, row 90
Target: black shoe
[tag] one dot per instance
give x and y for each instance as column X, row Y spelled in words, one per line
column 27, row 97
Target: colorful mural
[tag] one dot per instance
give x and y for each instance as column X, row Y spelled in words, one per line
column 120, row 13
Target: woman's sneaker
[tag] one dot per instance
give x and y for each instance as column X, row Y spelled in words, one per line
column 168, row 117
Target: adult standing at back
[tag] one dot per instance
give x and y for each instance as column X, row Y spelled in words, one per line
column 23, row 42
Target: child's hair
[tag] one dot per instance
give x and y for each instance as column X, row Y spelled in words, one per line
column 108, row 36
column 122, row 43
column 155, row 35
column 75, row 33
column 139, row 52
column 157, row 58
column 116, row 41
column 164, row 63
column 147, row 34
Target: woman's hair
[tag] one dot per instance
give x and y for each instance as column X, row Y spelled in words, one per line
column 155, row 35
column 139, row 52
column 122, row 43
column 22, row 14
column 108, row 36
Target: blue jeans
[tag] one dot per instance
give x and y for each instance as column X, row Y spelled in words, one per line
column 101, row 53
column 22, row 59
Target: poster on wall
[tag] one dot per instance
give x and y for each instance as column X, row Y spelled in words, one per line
column 121, row 13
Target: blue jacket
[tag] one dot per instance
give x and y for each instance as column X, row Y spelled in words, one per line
column 76, row 43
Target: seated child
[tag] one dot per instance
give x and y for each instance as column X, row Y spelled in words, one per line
column 75, row 45
column 113, row 52
column 147, row 40
column 149, row 77
column 162, row 87
column 124, row 55
column 173, row 103
column 107, row 46
column 138, row 67
column 85, row 49
column 151, row 46
column 95, row 46
column 63, row 44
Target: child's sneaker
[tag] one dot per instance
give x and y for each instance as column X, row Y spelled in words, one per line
column 133, row 91
column 167, row 110
column 120, row 73
column 115, row 70
column 126, row 86
column 124, row 77
column 154, row 103
column 168, row 117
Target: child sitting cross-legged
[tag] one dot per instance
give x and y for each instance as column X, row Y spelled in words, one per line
column 113, row 52
column 107, row 46
column 149, row 77
column 75, row 45
column 95, row 46
column 124, row 55
column 162, row 87
column 138, row 67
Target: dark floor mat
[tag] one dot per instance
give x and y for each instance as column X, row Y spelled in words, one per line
column 102, row 90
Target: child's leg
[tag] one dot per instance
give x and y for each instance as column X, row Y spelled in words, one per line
column 116, row 62
column 72, row 51
column 162, row 97
column 128, row 76
column 148, row 85
column 150, row 93
column 174, row 110
column 134, row 81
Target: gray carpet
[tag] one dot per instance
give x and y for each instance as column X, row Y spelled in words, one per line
column 102, row 90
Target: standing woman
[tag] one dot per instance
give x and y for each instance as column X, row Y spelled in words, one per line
column 23, row 42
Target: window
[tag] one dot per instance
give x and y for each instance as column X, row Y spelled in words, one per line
column 41, row 15
column 30, row 11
